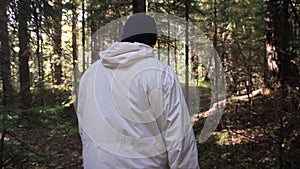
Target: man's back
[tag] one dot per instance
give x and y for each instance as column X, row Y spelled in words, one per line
column 132, row 113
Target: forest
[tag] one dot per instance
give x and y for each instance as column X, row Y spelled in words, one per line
column 46, row 45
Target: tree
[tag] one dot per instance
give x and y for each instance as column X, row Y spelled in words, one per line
column 5, row 71
column 74, row 33
column 56, row 19
column 278, row 40
column 24, row 75
column 5, row 54
column 284, row 36
column 37, row 23
column 187, row 34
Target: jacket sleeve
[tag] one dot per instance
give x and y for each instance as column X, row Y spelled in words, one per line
column 79, row 105
column 178, row 132
column 82, row 98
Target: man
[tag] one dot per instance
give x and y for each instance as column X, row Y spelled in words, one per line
column 131, row 110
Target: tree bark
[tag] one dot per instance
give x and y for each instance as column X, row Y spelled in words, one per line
column 272, row 68
column 37, row 21
column 23, row 18
column 74, row 35
column 5, row 55
column 278, row 43
column 83, row 35
column 284, row 44
column 187, row 44
column 5, row 72
column 57, row 65
column 95, row 38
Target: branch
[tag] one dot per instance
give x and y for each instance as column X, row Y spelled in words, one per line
column 295, row 12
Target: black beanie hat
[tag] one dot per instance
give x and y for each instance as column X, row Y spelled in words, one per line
column 140, row 28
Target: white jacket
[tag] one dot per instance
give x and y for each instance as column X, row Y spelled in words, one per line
column 132, row 113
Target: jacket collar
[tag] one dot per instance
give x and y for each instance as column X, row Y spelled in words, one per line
column 123, row 54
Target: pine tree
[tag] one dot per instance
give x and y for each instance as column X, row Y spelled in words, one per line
column 24, row 54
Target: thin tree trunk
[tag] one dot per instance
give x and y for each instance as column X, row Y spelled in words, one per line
column 57, row 17
column 83, row 35
column 175, row 48
column 38, row 37
column 74, row 48
column 23, row 18
column 158, row 49
column 187, row 16
column 37, row 21
column 215, row 41
column 168, row 41
column 74, row 35
column 95, row 38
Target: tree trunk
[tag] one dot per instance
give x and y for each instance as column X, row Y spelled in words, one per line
column 74, row 35
column 83, row 36
column 187, row 40
column 139, row 6
column 271, row 54
column 23, row 18
column 278, row 42
column 215, row 37
column 95, row 38
column 74, row 49
column 5, row 72
column 57, row 65
column 169, row 43
column 175, row 49
column 284, row 38
column 37, row 21
column 5, row 55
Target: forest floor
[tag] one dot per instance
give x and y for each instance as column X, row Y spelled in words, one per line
column 48, row 138
column 253, row 133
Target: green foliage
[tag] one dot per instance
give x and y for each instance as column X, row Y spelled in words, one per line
column 203, row 83
column 55, row 96
column 73, row 132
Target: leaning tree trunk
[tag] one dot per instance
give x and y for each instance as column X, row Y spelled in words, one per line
column 23, row 18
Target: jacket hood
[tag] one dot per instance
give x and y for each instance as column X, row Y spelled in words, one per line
column 123, row 54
